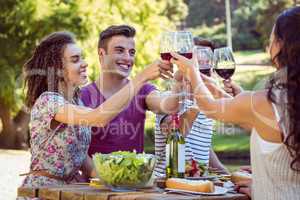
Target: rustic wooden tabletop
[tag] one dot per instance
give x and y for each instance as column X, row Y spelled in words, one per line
column 86, row 192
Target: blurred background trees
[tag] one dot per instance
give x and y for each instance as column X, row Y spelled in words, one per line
column 24, row 22
column 252, row 20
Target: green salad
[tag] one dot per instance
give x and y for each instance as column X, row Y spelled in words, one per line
column 124, row 168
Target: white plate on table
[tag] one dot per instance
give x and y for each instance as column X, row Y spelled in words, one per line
column 218, row 191
column 202, row 178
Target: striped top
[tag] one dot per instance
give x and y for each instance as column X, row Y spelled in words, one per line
column 198, row 141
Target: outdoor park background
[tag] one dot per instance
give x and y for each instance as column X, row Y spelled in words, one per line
column 24, row 22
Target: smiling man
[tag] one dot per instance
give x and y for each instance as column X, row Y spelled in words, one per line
column 116, row 50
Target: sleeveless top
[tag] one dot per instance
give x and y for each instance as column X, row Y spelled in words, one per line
column 273, row 179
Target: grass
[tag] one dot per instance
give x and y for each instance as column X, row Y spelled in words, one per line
column 252, row 57
column 231, row 143
column 235, row 165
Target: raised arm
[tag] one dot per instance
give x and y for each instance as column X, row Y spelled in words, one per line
column 73, row 114
column 213, row 87
column 241, row 110
column 161, row 103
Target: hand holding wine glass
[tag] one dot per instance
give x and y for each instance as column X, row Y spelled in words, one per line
column 177, row 41
column 180, row 42
column 167, row 45
column 205, row 58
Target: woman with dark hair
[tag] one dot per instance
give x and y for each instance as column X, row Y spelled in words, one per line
column 273, row 113
column 60, row 136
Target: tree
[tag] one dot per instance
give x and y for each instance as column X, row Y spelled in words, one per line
column 251, row 19
column 269, row 13
column 24, row 22
column 207, row 13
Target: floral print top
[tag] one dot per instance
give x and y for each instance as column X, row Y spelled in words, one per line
column 62, row 150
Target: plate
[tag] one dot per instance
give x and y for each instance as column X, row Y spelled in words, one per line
column 218, row 191
column 202, row 178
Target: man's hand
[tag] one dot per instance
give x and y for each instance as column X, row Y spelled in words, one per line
column 185, row 122
column 158, row 68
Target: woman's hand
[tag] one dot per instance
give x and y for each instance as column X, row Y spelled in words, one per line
column 232, row 88
column 246, row 168
column 244, row 187
column 182, row 85
column 209, row 81
column 186, row 66
column 159, row 68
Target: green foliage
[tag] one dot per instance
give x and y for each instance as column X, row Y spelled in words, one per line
column 244, row 32
column 215, row 33
column 252, row 20
column 269, row 13
column 175, row 10
column 205, row 13
column 25, row 22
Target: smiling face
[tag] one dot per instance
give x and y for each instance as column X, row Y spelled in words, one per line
column 119, row 57
column 75, row 68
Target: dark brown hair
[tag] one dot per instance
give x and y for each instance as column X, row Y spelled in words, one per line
column 204, row 42
column 44, row 70
column 287, row 32
column 107, row 34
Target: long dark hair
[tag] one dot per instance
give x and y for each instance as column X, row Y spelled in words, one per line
column 287, row 32
column 44, row 70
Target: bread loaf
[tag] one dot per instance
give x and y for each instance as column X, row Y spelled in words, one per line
column 190, row 185
column 240, row 176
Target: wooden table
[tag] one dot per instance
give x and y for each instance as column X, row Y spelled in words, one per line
column 85, row 192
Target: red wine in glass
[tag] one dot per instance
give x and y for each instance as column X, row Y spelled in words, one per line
column 207, row 71
column 187, row 55
column 224, row 72
column 168, row 56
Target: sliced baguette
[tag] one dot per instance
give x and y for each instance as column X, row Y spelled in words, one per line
column 190, row 185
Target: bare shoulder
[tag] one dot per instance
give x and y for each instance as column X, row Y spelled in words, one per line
column 260, row 104
column 264, row 117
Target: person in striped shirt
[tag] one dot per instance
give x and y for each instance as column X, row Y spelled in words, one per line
column 197, row 129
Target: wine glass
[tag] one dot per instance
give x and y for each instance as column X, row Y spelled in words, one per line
column 224, row 64
column 184, row 46
column 176, row 41
column 167, row 45
column 182, row 43
column 205, row 59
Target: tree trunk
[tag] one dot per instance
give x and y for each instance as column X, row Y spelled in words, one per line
column 21, row 122
column 14, row 132
column 7, row 136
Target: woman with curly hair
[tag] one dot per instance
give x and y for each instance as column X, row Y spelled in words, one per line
column 273, row 113
column 59, row 131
